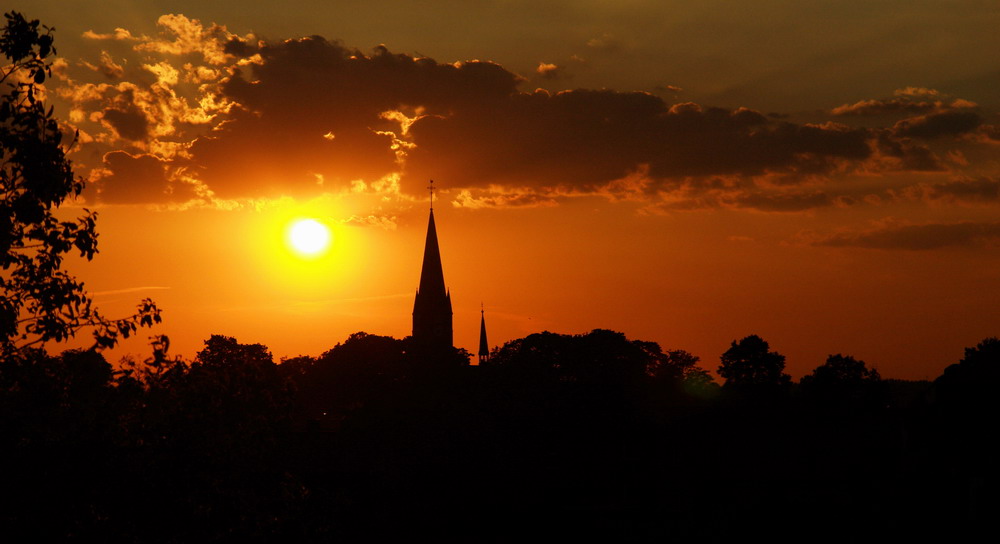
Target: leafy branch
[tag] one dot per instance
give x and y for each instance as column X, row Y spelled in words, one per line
column 40, row 301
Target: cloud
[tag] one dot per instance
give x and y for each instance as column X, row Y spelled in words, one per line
column 991, row 132
column 917, row 237
column 128, row 123
column 548, row 70
column 380, row 221
column 308, row 88
column 107, row 66
column 667, row 89
column 499, row 197
column 902, row 154
column 971, row 191
column 128, row 290
column 138, row 179
column 787, row 202
column 180, row 35
column 916, row 92
column 586, row 138
column 242, row 118
column 605, row 42
column 938, row 125
column 907, row 101
column 732, row 193
column 120, row 34
column 160, row 108
column 883, row 107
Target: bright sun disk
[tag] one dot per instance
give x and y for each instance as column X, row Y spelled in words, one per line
column 309, row 237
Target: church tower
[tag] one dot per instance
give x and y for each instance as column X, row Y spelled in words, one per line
column 432, row 328
column 484, row 345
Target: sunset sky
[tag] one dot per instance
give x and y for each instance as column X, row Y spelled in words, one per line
column 825, row 174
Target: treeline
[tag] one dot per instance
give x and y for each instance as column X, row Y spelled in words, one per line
column 554, row 437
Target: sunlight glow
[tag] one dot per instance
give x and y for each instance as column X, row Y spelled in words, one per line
column 309, row 237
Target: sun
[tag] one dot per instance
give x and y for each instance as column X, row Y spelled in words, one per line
column 309, row 237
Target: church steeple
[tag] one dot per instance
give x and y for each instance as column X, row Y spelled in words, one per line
column 432, row 315
column 431, row 273
column 484, row 345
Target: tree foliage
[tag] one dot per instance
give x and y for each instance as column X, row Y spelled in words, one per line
column 842, row 371
column 600, row 356
column 41, row 301
column 845, row 383
column 212, row 449
column 750, row 364
column 349, row 375
column 969, row 385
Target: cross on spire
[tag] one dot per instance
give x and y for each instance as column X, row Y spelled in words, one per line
column 431, row 189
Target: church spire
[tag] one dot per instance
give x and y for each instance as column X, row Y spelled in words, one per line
column 484, row 345
column 431, row 273
column 432, row 316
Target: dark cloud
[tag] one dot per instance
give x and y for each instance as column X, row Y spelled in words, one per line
column 981, row 190
column 991, row 132
column 239, row 47
column 310, row 116
column 586, row 138
column 467, row 125
column 937, row 125
column 130, row 123
column 689, row 196
column 918, row 237
column 315, row 107
column 904, row 154
column 140, row 179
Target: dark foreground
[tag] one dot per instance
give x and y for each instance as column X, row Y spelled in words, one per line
column 370, row 442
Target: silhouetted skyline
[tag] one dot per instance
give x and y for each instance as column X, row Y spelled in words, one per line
column 661, row 169
column 599, row 435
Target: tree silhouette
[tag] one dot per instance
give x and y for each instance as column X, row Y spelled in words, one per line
column 841, row 370
column 969, row 385
column 57, row 419
column 750, row 365
column 349, row 375
column 846, row 384
column 598, row 357
column 677, row 371
column 42, row 302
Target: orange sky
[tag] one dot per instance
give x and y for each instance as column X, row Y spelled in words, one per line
column 821, row 176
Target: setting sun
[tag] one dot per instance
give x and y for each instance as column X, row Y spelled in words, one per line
column 309, row 237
